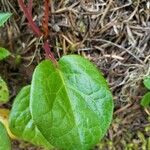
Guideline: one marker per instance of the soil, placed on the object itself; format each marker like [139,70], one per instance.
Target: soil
[113,34]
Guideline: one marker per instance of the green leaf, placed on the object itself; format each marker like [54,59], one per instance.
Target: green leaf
[21,123]
[71,104]
[147,82]
[5,143]
[4,17]
[3,53]
[4,93]
[145,102]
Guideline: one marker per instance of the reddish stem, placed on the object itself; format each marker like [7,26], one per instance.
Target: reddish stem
[30,5]
[48,52]
[27,13]
[46,18]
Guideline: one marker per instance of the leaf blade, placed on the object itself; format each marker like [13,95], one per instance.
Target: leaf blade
[147,82]
[65,99]
[5,143]
[145,102]
[21,123]
[4,17]
[3,53]
[4,92]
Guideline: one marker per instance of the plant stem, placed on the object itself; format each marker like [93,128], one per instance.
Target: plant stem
[30,5]
[48,52]
[46,18]
[27,13]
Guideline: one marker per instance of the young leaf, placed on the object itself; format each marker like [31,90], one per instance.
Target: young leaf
[5,143]
[3,53]
[21,123]
[4,93]
[145,102]
[4,17]
[71,104]
[147,82]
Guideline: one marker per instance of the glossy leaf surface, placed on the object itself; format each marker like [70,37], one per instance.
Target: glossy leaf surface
[5,143]
[71,104]
[21,123]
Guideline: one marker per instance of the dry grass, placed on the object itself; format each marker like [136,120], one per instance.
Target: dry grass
[114,34]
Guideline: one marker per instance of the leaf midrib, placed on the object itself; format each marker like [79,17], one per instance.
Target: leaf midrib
[74,117]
